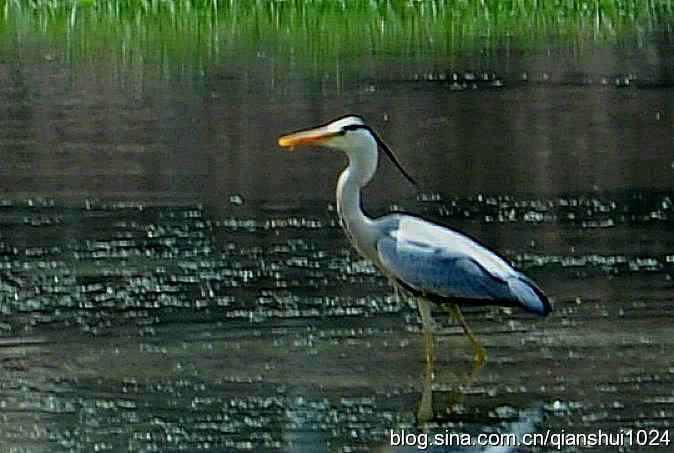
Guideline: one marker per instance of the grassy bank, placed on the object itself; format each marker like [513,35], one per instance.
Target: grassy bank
[318,32]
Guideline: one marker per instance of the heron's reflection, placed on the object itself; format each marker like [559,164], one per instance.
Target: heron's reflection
[429,430]
[425,408]
[430,421]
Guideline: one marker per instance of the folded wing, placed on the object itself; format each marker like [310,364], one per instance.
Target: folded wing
[444,264]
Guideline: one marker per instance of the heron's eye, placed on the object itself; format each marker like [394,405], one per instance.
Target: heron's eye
[341,132]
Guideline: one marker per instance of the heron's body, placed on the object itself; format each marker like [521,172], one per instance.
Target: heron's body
[446,266]
[429,260]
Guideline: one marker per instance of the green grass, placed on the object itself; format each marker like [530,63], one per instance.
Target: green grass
[318,32]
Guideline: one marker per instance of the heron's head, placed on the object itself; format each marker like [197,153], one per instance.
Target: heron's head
[348,133]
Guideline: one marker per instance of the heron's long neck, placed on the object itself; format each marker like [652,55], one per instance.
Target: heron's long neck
[359,227]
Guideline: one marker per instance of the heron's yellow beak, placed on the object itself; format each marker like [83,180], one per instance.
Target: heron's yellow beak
[317,136]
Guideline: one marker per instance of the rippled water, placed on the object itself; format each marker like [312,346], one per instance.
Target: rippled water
[171,281]
[135,326]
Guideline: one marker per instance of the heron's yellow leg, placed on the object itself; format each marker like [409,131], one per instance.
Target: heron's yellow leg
[425,408]
[427,321]
[480,353]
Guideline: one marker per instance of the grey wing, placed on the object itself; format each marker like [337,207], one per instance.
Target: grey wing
[438,272]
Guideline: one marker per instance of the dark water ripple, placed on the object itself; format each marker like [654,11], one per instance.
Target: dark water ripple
[586,211]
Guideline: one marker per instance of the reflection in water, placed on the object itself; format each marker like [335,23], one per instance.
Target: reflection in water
[169,281]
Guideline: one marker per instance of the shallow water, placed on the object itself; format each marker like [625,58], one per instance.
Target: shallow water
[171,281]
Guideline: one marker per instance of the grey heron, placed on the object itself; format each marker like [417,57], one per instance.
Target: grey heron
[432,262]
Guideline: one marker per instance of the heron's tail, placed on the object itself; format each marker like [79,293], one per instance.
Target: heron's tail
[529,295]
